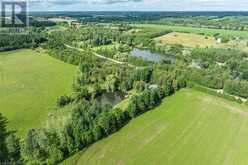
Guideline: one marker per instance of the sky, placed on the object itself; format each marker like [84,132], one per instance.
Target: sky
[138,5]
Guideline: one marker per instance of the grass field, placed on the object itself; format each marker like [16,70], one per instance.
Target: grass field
[56,28]
[187,39]
[188,128]
[206,31]
[30,83]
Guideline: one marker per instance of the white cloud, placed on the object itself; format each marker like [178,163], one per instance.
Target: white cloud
[142,5]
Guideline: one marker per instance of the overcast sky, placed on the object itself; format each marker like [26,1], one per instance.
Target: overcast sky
[139,5]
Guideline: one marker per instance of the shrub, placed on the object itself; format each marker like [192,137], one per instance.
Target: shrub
[63,101]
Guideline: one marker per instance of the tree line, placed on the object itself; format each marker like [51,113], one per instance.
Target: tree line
[90,122]
[18,41]
[10,152]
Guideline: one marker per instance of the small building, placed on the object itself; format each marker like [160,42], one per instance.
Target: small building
[153,86]
[75,24]
[219,40]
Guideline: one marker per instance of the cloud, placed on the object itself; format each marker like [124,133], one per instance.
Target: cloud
[73,2]
[118,1]
[64,2]
[141,5]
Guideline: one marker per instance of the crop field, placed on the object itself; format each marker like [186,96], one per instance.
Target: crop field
[205,31]
[188,39]
[30,83]
[188,128]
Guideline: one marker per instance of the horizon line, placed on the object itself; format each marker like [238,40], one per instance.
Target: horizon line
[140,11]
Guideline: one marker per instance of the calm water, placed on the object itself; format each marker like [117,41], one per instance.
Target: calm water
[112,98]
[147,54]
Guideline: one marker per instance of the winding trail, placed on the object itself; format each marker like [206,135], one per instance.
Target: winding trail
[103,57]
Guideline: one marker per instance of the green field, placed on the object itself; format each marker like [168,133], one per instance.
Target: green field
[30,83]
[188,128]
[206,31]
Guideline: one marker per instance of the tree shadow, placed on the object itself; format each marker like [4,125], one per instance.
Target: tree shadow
[3,135]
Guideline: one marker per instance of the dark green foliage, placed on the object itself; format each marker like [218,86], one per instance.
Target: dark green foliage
[42,147]
[144,74]
[237,88]
[17,41]
[3,136]
[139,85]
[40,23]
[63,100]
[144,37]
[148,100]
[212,92]
[9,145]
[215,55]
[89,123]
[221,68]
[88,36]
[13,149]
[72,56]
[245,75]
[210,80]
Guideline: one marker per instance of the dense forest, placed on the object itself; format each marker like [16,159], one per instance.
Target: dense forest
[9,144]
[17,41]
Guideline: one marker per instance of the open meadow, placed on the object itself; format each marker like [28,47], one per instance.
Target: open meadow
[30,83]
[188,128]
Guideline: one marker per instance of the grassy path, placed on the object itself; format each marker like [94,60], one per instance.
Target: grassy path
[109,59]
[101,56]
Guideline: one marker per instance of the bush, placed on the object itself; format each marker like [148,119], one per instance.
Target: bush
[214,93]
[63,101]
[139,86]
[207,80]
[237,88]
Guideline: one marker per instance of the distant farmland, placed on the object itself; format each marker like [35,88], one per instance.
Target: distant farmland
[188,128]
[30,84]
[205,31]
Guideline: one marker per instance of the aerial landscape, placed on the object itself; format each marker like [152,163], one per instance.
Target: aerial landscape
[124,82]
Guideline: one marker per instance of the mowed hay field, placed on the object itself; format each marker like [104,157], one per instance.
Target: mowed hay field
[30,83]
[187,39]
[188,128]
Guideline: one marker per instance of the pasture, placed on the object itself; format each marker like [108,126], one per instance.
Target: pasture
[188,128]
[30,83]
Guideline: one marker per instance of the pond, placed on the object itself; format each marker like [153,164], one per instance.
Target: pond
[112,98]
[147,54]
[150,56]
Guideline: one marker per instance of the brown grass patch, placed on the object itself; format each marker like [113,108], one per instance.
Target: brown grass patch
[188,39]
